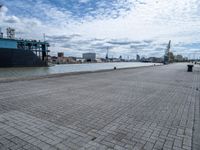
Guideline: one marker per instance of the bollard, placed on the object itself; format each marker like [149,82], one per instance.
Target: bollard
[190,67]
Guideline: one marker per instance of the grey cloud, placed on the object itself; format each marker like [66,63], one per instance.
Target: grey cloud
[148,41]
[61,38]
[104,47]
[159,49]
[57,40]
[121,42]
[75,35]
[136,42]
[69,45]
[128,42]
[140,45]
[97,40]
[97,45]
[12,19]
[77,44]
[116,46]
[136,47]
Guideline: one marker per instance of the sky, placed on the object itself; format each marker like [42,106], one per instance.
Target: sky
[124,27]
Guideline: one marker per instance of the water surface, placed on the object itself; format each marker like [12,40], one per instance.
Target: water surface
[65,68]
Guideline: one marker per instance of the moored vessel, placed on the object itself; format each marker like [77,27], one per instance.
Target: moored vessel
[22,53]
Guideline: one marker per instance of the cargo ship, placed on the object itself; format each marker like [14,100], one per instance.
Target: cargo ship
[21,52]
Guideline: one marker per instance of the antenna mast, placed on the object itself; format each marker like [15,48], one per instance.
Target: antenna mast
[107,53]
[166,57]
[44,36]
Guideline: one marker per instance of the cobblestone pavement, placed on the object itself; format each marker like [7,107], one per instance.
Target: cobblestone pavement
[144,108]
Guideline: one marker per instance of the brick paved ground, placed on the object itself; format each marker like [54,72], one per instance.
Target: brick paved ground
[145,108]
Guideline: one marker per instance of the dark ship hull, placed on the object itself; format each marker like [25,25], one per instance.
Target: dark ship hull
[19,58]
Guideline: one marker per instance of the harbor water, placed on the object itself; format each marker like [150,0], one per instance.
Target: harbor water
[65,68]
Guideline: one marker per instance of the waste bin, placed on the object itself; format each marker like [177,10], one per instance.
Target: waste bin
[190,67]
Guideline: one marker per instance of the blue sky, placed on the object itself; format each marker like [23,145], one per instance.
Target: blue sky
[127,27]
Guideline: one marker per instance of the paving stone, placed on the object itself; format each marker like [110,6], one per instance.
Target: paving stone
[150,108]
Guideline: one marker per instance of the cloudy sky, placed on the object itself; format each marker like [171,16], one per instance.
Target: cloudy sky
[126,27]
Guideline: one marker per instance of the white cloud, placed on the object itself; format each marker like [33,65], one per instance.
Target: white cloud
[3,11]
[84,1]
[159,21]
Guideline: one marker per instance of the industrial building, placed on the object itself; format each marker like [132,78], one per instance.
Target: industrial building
[137,57]
[89,57]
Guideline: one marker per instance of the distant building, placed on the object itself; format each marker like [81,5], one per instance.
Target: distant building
[61,59]
[137,57]
[70,60]
[155,59]
[116,59]
[1,34]
[89,57]
[79,60]
[185,59]
[143,59]
[60,54]
[53,59]
[99,60]
[179,58]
